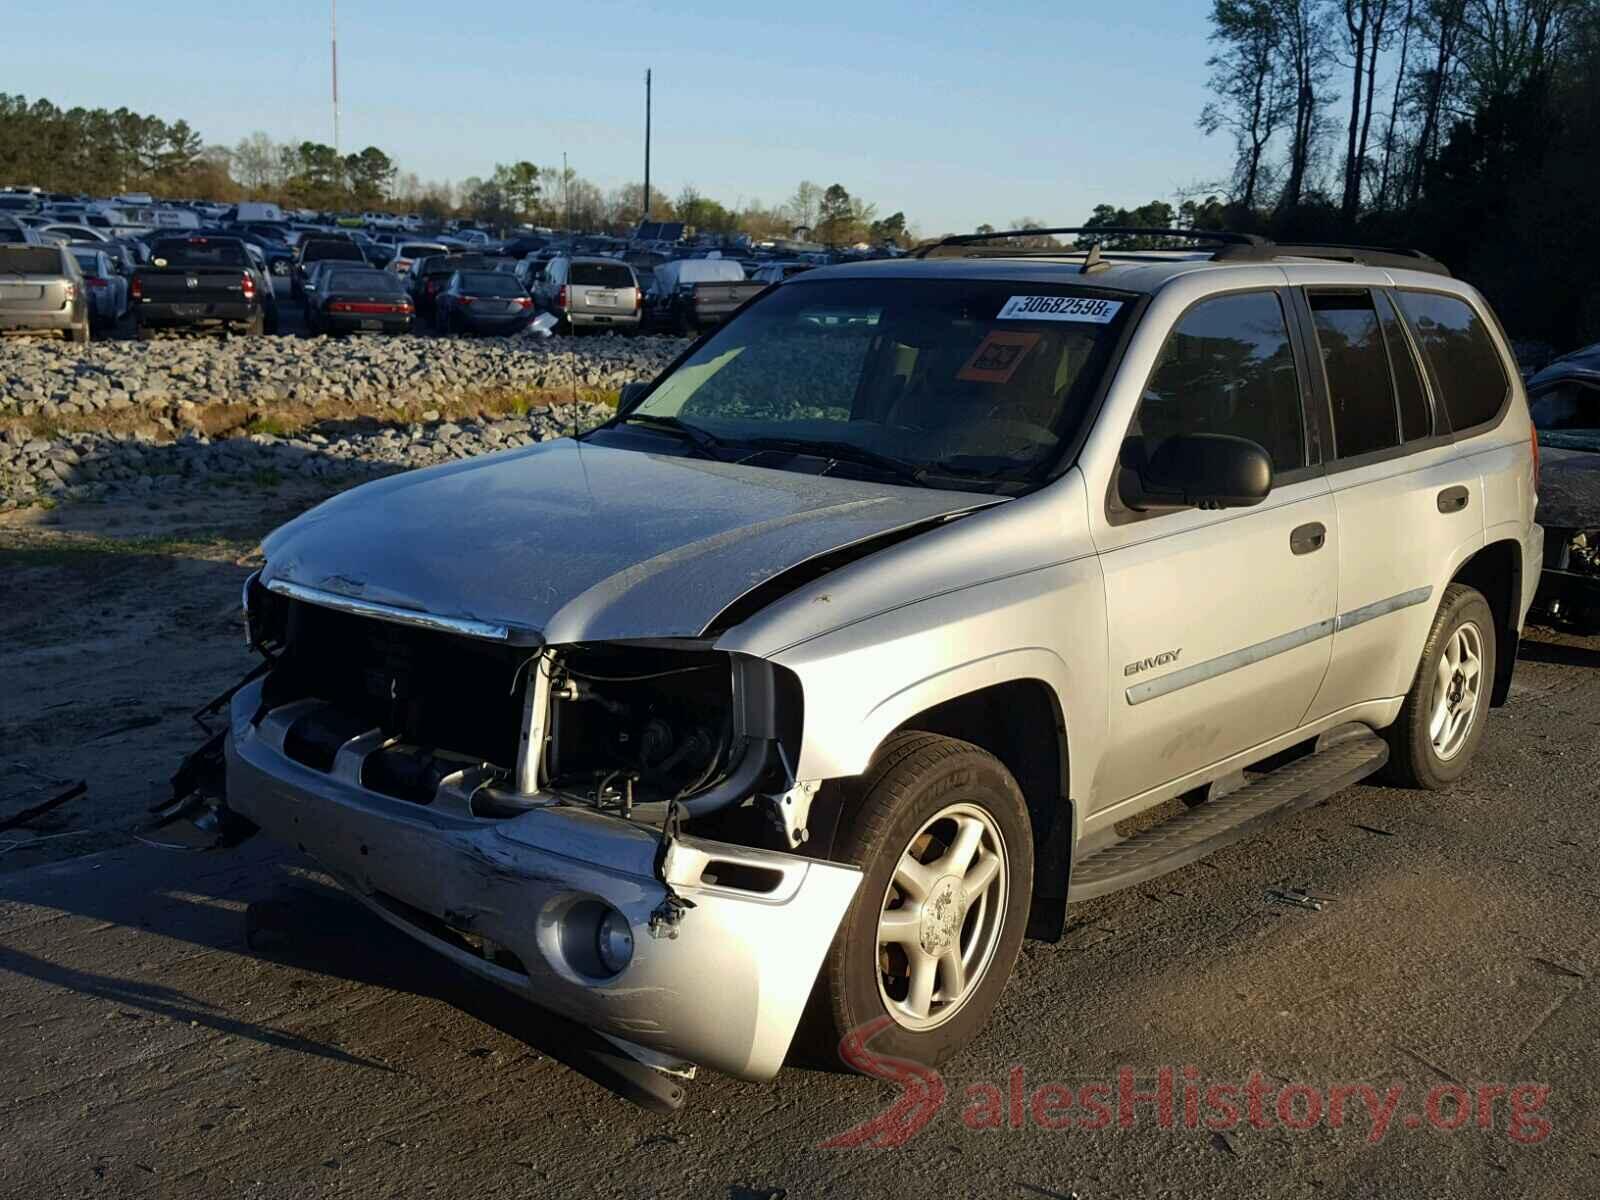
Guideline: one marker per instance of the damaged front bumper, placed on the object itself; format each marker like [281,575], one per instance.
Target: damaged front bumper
[520,901]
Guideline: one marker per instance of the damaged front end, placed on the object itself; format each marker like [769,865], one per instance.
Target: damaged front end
[1569,585]
[603,828]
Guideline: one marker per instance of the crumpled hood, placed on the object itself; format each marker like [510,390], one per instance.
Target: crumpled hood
[577,542]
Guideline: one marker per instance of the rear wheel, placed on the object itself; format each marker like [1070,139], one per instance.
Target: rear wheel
[257,324]
[1432,742]
[79,334]
[144,333]
[943,839]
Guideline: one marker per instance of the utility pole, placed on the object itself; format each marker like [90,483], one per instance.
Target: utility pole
[646,146]
[333,35]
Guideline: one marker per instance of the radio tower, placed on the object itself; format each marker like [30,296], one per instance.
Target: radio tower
[333,34]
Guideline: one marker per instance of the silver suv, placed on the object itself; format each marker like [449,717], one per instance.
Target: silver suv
[827,671]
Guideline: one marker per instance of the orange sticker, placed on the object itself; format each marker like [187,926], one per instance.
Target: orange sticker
[997,357]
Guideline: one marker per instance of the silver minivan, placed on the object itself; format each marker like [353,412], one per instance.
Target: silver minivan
[843,657]
[42,289]
[590,293]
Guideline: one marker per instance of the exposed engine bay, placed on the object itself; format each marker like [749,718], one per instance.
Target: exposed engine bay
[632,729]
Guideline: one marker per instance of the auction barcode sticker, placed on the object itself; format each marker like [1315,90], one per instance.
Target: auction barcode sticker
[1059,308]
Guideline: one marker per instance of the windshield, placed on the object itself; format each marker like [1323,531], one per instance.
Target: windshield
[976,379]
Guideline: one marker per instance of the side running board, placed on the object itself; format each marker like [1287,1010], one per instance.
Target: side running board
[1241,814]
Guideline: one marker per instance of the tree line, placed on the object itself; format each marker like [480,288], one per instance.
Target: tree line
[1469,129]
[98,152]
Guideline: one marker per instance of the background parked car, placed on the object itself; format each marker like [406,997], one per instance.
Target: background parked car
[407,252]
[41,288]
[482,301]
[590,293]
[430,275]
[349,300]
[15,232]
[73,233]
[689,294]
[106,289]
[202,280]
[314,250]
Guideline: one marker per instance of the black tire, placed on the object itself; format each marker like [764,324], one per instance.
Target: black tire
[256,326]
[144,333]
[1414,759]
[79,334]
[914,778]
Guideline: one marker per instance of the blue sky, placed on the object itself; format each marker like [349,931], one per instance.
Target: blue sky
[951,114]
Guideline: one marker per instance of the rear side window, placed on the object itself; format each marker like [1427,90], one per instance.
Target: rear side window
[1227,368]
[1416,416]
[1356,363]
[1468,375]
[601,275]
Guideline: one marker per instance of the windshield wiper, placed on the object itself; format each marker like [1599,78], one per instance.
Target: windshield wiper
[700,438]
[846,452]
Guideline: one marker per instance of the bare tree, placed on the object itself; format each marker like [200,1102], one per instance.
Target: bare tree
[1252,97]
[1304,50]
[1406,26]
[1364,39]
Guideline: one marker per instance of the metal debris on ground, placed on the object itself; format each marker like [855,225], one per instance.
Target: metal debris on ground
[38,810]
[1299,898]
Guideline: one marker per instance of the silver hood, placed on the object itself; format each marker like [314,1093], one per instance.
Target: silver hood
[569,542]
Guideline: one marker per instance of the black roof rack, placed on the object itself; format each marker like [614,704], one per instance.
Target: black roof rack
[971,245]
[1225,246]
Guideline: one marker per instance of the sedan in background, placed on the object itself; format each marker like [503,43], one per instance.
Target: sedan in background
[358,300]
[430,275]
[105,287]
[491,302]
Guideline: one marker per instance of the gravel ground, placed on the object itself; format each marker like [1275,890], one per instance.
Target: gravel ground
[56,380]
[130,419]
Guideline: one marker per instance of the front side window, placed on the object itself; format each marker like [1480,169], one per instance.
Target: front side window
[968,380]
[1468,374]
[1227,367]
[1356,364]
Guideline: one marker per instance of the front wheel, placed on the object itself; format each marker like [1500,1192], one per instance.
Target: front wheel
[943,839]
[1440,725]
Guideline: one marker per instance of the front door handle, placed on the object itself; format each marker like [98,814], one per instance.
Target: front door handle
[1308,538]
[1453,499]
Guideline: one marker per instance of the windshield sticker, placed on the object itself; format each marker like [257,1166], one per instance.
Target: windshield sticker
[1059,308]
[997,357]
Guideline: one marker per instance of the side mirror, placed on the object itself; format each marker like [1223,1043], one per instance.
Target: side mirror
[631,392]
[1200,470]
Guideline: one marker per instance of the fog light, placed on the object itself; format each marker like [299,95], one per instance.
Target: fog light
[613,942]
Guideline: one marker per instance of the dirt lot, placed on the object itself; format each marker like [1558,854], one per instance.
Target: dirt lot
[148,1051]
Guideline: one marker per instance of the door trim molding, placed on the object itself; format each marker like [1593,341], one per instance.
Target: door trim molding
[1177,680]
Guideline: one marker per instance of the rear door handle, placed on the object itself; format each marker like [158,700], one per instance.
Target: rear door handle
[1453,499]
[1308,538]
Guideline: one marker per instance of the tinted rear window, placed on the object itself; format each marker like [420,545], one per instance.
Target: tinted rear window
[198,253]
[369,281]
[411,250]
[601,275]
[30,260]
[1468,375]
[333,251]
[485,283]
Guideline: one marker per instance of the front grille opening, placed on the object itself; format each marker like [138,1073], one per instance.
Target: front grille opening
[462,939]
[741,876]
[422,687]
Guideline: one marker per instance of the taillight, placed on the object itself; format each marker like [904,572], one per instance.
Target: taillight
[136,288]
[1533,444]
[524,302]
[432,286]
[94,281]
[248,287]
[72,292]
[561,296]
[638,300]
[465,299]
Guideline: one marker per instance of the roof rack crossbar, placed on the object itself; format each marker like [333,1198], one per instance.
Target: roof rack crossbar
[971,243]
